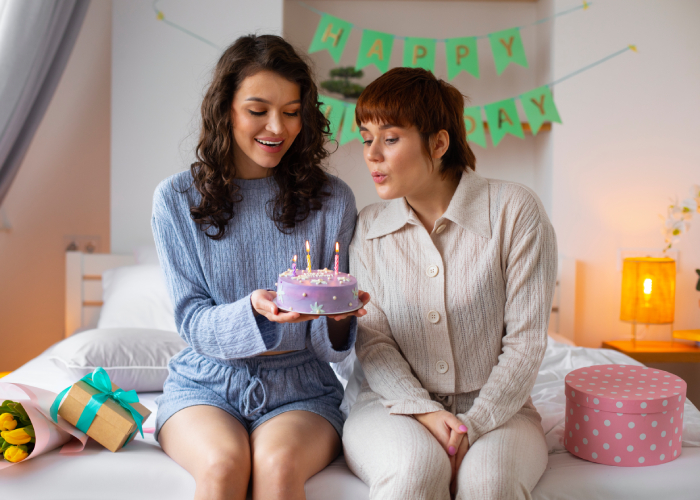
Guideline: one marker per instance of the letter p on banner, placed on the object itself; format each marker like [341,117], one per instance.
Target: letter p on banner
[461,56]
[419,53]
[331,35]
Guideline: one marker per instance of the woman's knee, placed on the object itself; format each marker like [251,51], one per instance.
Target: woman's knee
[224,465]
[277,465]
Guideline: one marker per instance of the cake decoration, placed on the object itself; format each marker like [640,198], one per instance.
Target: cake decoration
[317,308]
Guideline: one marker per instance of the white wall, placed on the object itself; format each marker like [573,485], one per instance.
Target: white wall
[628,144]
[158,78]
[526,161]
[61,190]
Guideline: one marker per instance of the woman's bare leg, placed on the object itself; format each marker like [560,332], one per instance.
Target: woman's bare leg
[212,446]
[287,450]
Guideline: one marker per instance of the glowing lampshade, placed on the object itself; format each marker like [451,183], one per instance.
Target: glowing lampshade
[648,290]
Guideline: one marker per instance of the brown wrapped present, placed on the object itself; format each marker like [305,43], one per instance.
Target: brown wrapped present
[113,426]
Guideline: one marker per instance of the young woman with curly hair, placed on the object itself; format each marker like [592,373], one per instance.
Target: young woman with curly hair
[461,270]
[252,399]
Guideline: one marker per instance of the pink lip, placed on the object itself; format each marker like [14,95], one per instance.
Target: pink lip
[378,178]
[270,149]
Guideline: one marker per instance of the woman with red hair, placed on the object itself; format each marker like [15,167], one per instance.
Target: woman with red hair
[461,270]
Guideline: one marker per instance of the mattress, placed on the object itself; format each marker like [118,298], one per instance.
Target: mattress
[142,471]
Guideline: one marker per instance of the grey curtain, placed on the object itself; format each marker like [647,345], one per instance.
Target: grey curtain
[36,38]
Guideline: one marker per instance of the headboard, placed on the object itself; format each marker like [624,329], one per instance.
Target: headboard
[84,291]
[84,286]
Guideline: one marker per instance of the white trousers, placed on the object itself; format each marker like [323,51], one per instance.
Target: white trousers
[398,458]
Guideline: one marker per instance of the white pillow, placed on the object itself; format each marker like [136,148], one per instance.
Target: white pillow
[134,358]
[136,297]
[146,254]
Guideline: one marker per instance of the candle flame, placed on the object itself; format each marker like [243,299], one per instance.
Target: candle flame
[337,247]
[307,246]
[295,258]
[647,286]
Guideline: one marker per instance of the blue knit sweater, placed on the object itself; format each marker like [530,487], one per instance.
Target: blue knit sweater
[210,282]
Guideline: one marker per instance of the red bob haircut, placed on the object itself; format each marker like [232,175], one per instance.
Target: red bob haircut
[407,97]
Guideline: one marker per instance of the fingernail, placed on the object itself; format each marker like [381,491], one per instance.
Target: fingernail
[451,450]
[463,428]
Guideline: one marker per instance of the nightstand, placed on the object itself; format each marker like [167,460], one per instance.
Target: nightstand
[656,351]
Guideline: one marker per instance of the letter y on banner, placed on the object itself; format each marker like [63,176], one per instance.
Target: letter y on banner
[332,35]
[539,107]
[507,47]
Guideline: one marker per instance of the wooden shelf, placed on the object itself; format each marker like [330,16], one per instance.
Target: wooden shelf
[656,351]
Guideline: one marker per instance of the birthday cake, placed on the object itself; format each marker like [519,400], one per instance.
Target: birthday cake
[317,292]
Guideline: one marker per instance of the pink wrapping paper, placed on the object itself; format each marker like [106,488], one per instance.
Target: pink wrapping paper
[622,415]
[49,435]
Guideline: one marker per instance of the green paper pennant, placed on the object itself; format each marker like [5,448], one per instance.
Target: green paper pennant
[475,126]
[351,130]
[375,48]
[333,110]
[507,47]
[503,119]
[332,34]
[461,56]
[419,53]
[539,107]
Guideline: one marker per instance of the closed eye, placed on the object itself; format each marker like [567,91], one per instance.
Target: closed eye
[296,113]
[256,113]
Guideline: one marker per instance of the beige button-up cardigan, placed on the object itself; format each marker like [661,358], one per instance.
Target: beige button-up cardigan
[460,309]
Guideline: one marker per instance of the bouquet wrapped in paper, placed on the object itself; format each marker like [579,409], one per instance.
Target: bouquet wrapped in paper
[26,428]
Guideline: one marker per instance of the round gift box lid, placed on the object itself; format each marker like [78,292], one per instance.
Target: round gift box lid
[624,388]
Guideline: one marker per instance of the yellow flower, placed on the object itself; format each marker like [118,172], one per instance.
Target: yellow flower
[17,436]
[7,422]
[15,454]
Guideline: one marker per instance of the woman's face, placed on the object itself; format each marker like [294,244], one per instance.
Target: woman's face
[266,120]
[396,160]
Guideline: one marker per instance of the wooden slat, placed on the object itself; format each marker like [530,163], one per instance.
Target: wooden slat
[92,277]
[656,351]
[93,303]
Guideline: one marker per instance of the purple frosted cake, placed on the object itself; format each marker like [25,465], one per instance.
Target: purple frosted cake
[317,292]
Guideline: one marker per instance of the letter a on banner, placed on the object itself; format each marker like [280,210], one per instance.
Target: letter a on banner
[461,56]
[375,48]
[351,130]
[539,107]
[419,53]
[503,119]
[333,110]
[507,47]
[475,126]
[332,35]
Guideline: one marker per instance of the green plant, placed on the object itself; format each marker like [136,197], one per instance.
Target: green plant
[340,82]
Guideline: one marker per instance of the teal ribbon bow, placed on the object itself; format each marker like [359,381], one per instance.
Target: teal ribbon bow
[100,381]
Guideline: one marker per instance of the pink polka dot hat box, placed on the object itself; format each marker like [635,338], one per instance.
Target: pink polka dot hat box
[624,415]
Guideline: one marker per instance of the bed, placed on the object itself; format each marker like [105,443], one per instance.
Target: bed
[142,471]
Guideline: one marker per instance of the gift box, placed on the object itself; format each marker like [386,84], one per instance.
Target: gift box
[624,415]
[105,412]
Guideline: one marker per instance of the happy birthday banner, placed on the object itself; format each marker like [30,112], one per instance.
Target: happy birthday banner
[461,53]
[501,116]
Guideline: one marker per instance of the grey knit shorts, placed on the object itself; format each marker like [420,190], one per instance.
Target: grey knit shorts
[253,390]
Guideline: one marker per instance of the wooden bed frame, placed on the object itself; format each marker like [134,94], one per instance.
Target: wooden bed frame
[84,291]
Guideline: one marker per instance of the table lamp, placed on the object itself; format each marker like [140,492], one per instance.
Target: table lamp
[648,291]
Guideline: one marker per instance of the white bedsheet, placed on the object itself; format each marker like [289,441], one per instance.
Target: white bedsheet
[142,471]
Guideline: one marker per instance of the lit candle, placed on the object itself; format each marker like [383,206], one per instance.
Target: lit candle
[294,266]
[308,257]
[337,249]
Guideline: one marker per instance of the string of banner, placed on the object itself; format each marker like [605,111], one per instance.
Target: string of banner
[501,117]
[461,54]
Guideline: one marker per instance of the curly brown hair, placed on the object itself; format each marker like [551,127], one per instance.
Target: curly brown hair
[299,175]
